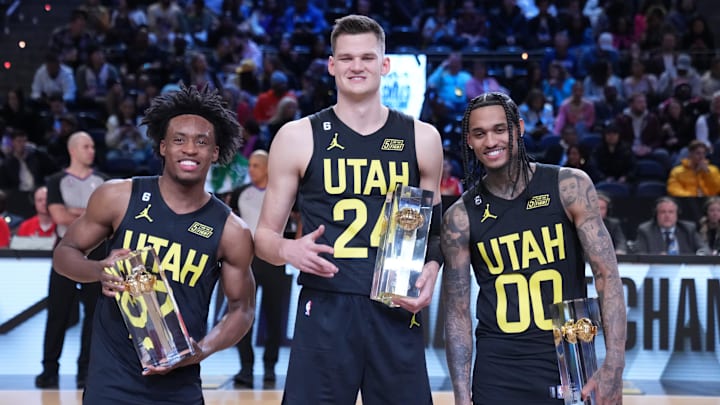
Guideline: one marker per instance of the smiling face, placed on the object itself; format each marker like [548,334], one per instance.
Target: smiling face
[488,137]
[358,63]
[188,148]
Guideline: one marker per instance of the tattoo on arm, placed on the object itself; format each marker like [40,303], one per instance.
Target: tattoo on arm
[581,204]
[456,294]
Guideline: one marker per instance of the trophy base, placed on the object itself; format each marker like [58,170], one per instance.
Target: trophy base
[167,361]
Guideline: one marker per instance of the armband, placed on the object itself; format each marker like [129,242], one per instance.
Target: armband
[434,253]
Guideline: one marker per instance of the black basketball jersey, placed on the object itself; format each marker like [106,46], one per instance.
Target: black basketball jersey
[187,248]
[526,255]
[344,188]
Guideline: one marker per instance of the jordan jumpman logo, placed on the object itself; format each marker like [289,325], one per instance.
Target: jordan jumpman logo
[145,213]
[334,143]
[487,214]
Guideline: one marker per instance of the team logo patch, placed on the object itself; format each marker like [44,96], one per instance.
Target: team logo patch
[334,143]
[537,201]
[393,144]
[308,307]
[145,213]
[201,230]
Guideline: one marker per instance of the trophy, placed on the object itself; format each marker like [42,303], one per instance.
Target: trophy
[576,324]
[401,254]
[149,310]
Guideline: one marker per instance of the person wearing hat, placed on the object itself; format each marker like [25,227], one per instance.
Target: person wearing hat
[267,102]
[683,73]
[603,49]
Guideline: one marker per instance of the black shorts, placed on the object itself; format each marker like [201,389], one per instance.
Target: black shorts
[344,343]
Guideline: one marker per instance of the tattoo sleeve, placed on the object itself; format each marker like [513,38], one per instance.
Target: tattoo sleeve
[456,293]
[581,205]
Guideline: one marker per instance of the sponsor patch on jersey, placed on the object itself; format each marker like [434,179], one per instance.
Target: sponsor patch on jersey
[393,144]
[537,201]
[201,230]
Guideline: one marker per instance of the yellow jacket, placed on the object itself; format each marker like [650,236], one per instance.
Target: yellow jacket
[684,181]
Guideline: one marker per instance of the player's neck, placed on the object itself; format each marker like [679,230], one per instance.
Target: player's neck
[362,117]
[498,183]
[182,198]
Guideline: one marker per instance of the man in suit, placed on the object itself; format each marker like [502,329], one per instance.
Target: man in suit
[665,234]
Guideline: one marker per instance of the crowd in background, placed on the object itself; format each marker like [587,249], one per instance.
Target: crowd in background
[628,91]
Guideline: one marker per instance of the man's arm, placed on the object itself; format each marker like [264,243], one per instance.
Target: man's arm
[597,245]
[289,155]
[430,161]
[236,253]
[104,212]
[456,294]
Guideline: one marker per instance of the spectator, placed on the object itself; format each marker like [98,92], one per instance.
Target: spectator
[57,144]
[538,116]
[710,80]
[639,81]
[304,21]
[558,84]
[613,159]
[508,26]
[94,79]
[612,224]
[640,128]
[683,73]
[199,74]
[609,107]
[41,224]
[71,42]
[68,193]
[543,27]
[17,114]
[196,23]
[449,183]
[471,26]
[126,18]
[560,53]
[707,126]
[26,167]
[710,224]
[600,76]
[268,101]
[575,158]
[663,56]
[266,21]
[576,111]
[556,154]
[678,128]
[287,110]
[439,27]
[4,234]
[125,137]
[53,77]
[694,176]
[664,234]
[603,49]
[480,82]
[164,16]
[699,41]
[449,81]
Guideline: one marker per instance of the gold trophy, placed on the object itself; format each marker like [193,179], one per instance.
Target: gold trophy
[401,254]
[150,311]
[576,325]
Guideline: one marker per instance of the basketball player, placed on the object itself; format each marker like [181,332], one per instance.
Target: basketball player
[197,238]
[342,161]
[524,228]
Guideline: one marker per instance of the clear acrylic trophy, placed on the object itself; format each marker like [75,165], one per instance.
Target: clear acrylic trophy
[576,325]
[150,311]
[401,254]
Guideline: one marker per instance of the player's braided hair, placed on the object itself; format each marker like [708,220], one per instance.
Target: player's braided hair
[521,164]
[206,103]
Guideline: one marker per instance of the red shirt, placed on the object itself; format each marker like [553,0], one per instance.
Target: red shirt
[4,233]
[31,227]
[266,105]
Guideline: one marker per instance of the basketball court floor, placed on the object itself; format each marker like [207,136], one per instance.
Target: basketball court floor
[22,347]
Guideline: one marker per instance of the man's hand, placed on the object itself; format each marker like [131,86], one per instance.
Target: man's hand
[304,254]
[607,384]
[112,283]
[426,284]
[194,359]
